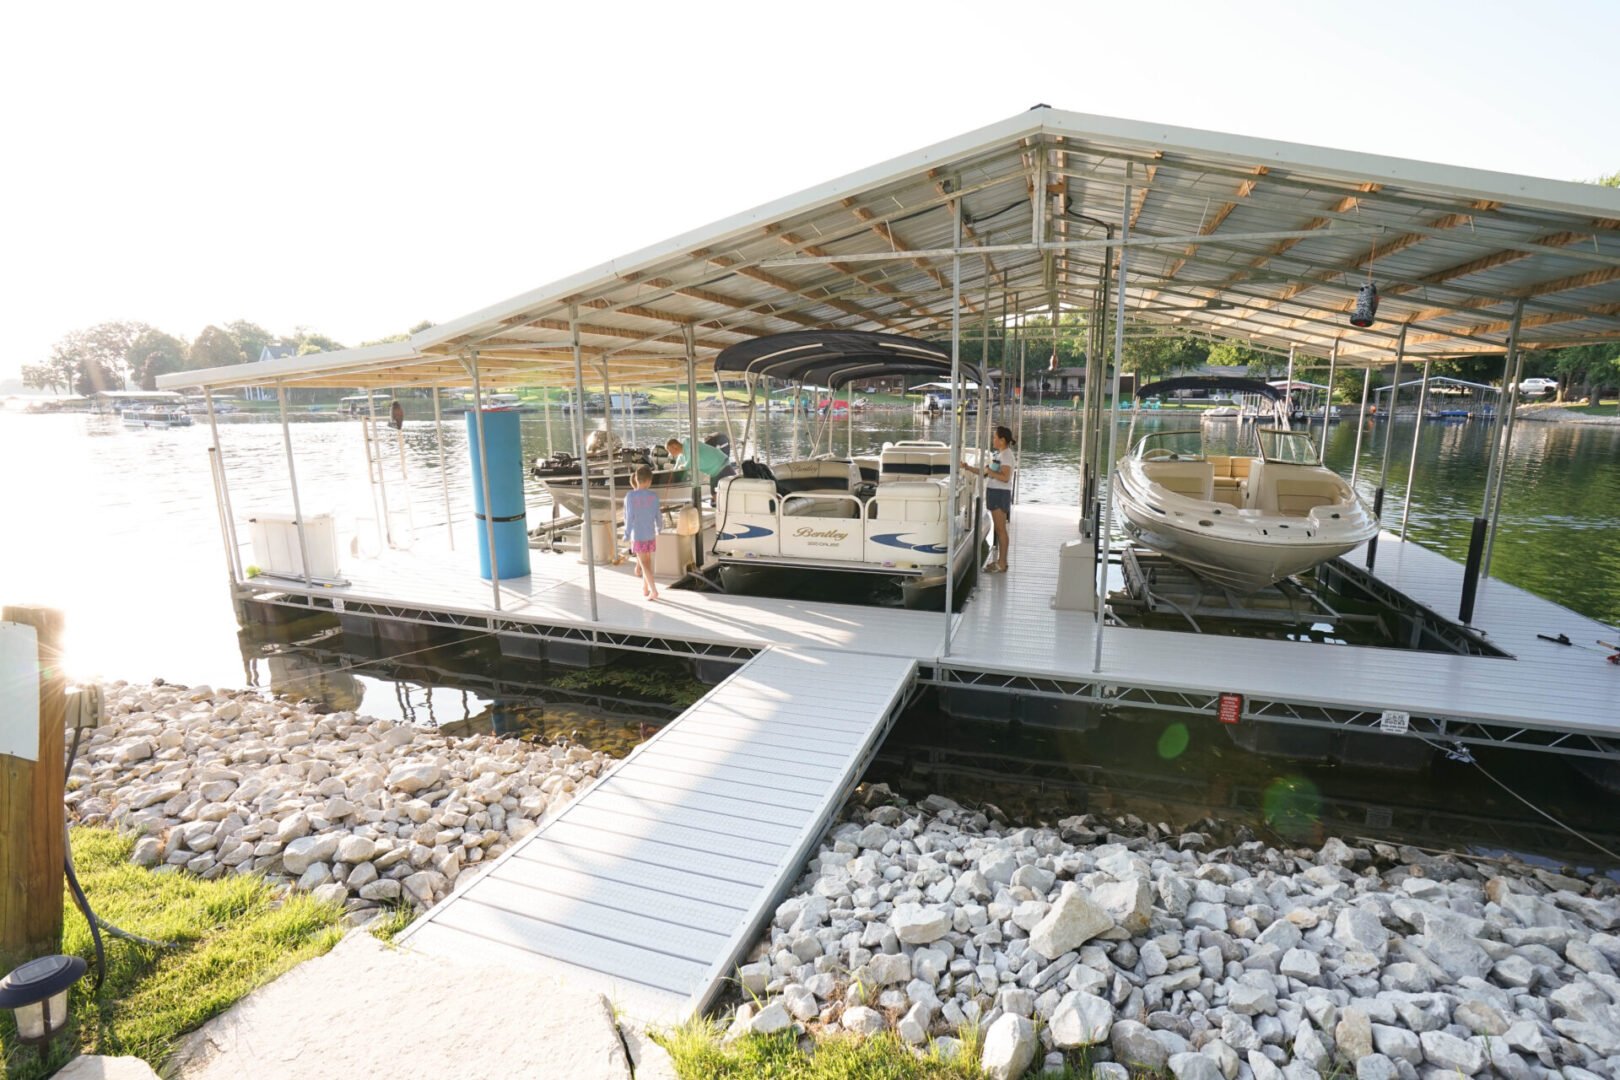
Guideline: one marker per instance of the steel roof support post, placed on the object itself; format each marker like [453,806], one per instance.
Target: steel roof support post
[368,428]
[1020,416]
[1361,423]
[584,463]
[691,420]
[292,475]
[234,554]
[483,476]
[1499,418]
[767,424]
[613,468]
[545,408]
[956,425]
[1510,403]
[1417,437]
[444,474]
[1288,394]
[1105,520]
[1389,437]
[1327,400]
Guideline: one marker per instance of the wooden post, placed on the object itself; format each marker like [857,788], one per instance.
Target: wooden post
[31,835]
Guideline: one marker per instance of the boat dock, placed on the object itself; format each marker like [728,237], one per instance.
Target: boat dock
[655,883]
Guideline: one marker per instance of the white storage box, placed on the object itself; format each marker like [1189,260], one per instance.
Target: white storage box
[276,550]
[1077,577]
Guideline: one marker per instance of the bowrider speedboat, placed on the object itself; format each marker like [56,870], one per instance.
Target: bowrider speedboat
[1243,522]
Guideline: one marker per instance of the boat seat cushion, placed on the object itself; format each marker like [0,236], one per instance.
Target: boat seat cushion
[908,501]
[1222,465]
[1238,467]
[1194,479]
[830,505]
[1297,498]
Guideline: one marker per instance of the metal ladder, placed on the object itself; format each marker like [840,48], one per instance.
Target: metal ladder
[397,527]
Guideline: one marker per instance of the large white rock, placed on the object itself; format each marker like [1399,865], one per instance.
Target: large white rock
[1134,1046]
[862,1020]
[915,924]
[1357,928]
[1129,902]
[1448,1052]
[304,852]
[1074,920]
[356,849]
[1189,1066]
[1081,1020]
[771,1019]
[1009,1047]
[414,776]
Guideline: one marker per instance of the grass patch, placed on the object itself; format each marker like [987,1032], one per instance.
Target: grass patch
[232,936]
[386,928]
[698,1054]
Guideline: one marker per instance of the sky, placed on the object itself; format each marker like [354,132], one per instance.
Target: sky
[358,167]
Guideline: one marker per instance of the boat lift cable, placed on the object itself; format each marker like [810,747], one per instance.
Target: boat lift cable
[1459,752]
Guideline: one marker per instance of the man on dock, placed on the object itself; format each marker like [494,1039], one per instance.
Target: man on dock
[712,462]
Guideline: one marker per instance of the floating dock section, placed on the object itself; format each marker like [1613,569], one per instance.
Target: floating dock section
[652,885]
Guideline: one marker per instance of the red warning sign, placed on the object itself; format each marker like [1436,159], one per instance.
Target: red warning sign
[1231,708]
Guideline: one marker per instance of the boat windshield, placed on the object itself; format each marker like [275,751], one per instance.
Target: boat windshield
[1287,447]
[1171,446]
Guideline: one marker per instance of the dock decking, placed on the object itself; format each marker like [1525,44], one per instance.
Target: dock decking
[652,884]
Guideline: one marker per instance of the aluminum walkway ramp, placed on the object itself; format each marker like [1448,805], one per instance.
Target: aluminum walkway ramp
[651,885]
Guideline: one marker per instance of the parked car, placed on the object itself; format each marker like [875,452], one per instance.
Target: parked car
[1537,387]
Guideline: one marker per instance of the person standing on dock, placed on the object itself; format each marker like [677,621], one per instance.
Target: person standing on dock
[641,511]
[712,462]
[998,494]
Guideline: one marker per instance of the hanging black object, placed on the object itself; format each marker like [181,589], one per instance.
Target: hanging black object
[396,415]
[1366,306]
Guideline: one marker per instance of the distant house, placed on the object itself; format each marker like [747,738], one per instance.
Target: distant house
[268,352]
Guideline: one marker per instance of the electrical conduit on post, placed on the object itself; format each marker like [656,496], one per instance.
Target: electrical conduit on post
[1389,438]
[1105,521]
[1510,396]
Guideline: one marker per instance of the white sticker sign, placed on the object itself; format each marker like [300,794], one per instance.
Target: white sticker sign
[1394,722]
[19,691]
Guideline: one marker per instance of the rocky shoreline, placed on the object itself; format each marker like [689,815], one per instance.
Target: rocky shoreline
[1105,940]
[1122,943]
[358,811]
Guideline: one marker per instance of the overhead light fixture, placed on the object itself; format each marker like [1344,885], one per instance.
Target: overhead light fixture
[1217,305]
[1366,305]
[37,992]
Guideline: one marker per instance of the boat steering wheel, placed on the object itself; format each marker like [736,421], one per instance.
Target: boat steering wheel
[1159,453]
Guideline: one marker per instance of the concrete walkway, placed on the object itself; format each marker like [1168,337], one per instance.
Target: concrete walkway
[365,1009]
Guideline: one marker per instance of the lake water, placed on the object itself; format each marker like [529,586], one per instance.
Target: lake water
[118,528]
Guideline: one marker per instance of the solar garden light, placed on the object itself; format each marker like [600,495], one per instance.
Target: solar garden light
[37,992]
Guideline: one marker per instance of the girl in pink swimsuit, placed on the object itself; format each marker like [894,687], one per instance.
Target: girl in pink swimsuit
[641,528]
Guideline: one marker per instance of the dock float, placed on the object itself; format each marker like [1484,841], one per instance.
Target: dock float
[652,884]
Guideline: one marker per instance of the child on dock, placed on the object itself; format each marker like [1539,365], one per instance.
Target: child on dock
[641,528]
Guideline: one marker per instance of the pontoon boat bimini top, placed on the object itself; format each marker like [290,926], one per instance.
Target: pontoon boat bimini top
[836,357]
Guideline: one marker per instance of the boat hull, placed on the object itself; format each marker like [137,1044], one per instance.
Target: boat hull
[1244,551]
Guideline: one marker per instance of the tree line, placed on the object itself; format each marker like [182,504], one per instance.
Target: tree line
[1583,372]
[109,355]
